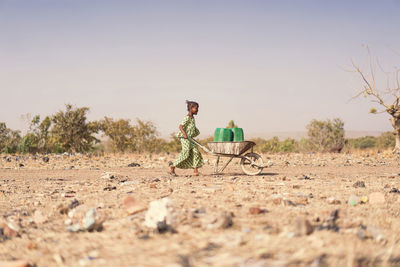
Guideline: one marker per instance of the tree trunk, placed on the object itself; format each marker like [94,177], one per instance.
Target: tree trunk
[396,125]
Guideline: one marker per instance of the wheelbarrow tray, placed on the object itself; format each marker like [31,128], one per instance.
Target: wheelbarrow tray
[230,148]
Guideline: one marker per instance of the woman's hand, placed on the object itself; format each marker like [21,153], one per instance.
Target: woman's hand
[183,132]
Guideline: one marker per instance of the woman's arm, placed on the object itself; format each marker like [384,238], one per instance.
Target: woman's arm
[183,131]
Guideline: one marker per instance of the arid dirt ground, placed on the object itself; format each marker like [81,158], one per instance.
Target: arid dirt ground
[296,213]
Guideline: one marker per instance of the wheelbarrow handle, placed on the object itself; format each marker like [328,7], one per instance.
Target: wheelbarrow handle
[200,145]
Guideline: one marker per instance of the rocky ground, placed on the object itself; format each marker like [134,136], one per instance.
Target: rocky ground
[125,210]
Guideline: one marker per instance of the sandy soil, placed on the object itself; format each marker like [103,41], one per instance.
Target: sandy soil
[283,217]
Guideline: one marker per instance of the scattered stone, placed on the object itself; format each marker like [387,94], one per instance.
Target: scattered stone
[62,209]
[21,165]
[370,232]
[17,263]
[353,200]
[288,202]
[305,177]
[107,175]
[333,201]
[301,201]
[359,184]
[133,164]
[75,203]
[58,259]
[303,227]
[163,227]
[364,200]
[198,211]
[255,210]
[376,198]
[329,223]
[132,206]
[161,210]
[144,237]
[46,159]
[109,188]
[31,245]
[39,217]
[153,185]
[223,221]
[89,222]
[394,190]
[8,231]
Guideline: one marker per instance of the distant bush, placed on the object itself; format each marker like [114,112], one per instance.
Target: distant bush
[274,145]
[362,142]
[384,141]
[324,136]
[72,132]
[9,139]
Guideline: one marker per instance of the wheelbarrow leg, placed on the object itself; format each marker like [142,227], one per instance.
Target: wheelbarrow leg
[216,164]
[226,164]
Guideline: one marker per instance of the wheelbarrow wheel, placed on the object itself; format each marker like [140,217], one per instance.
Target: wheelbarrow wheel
[252,164]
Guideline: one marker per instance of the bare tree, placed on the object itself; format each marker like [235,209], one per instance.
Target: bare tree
[387,98]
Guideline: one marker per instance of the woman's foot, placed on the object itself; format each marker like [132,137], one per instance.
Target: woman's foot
[172,170]
[196,172]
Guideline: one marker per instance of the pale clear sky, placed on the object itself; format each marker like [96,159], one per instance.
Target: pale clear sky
[269,65]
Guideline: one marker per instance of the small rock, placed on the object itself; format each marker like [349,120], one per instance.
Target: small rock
[133,164]
[288,202]
[132,206]
[163,227]
[333,201]
[8,230]
[58,259]
[161,210]
[370,231]
[359,184]
[353,200]
[39,218]
[31,245]
[301,201]
[303,227]
[394,190]
[255,210]
[45,159]
[364,200]
[200,210]
[109,188]
[329,223]
[90,221]
[223,221]
[107,175]
[17,263]
[376,198]
[305,177]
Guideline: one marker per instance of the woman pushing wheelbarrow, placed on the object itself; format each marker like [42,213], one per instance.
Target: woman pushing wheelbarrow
[190,157]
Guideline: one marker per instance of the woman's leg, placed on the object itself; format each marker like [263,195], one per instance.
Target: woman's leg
[197,160]
[182,161]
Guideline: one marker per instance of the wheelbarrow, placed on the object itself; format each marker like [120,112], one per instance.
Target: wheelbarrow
[251,163]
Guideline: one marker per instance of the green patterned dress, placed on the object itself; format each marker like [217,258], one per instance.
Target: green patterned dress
[190,156]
